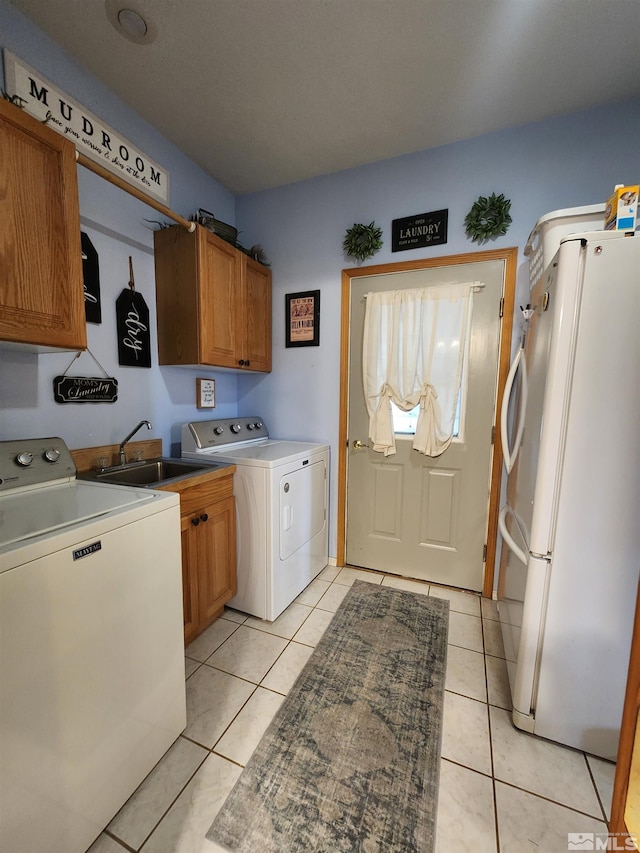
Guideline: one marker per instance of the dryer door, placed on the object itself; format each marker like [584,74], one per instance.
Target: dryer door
[302,506]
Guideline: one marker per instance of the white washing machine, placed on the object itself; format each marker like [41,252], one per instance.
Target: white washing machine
[281,492]
[92,690]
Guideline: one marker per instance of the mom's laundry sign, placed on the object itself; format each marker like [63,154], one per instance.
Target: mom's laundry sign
[91,136]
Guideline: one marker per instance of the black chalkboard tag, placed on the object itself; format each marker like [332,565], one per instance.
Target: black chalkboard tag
[134,337]
[85,389]
[91,280]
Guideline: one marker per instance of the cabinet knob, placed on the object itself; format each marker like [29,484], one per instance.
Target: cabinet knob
[204,517]
[241,362]
[195,521]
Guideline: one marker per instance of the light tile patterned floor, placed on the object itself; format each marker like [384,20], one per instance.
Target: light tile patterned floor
[501,791]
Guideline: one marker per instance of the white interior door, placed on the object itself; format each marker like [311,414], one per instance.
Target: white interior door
[410,514]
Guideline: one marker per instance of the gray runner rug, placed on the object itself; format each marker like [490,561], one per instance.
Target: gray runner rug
[351,760]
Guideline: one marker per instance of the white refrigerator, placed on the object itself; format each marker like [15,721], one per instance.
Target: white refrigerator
[571,525]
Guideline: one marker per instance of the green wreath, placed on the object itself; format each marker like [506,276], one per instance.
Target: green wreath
[362,241]
[488,217]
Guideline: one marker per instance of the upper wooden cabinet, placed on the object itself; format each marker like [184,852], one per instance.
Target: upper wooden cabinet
[41,290]
[213,302]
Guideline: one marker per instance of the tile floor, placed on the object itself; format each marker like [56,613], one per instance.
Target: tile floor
[501,791]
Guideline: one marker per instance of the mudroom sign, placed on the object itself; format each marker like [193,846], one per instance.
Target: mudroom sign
[92,137]
[419,231]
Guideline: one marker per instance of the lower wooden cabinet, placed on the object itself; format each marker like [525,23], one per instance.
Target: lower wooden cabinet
[208,531]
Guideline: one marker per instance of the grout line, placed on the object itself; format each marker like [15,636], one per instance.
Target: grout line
[549,800]
[118,840]
[226,758]
[178,795]
[493,769]
[219,644]
[593,782]
[272,666]
[231,722]
[466,767]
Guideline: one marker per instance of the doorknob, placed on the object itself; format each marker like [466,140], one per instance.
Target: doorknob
[357,444]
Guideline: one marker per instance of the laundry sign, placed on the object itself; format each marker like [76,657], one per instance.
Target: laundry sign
[91,136]
[417,232]
[85,389]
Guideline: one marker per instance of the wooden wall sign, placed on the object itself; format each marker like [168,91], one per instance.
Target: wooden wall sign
[91,279]
[98,141]
[85,389]
[134,338]
[420,231]
[132,321]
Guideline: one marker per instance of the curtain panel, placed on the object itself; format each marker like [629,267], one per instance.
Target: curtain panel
[413,351]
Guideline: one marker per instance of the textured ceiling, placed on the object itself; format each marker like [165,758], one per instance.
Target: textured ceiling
[261,93]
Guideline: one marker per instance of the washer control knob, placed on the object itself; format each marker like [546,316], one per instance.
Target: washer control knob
[218,430]
[259,424]
[235,428]
[251,426]
[24,459]
[52,454]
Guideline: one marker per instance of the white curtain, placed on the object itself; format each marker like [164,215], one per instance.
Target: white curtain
[413,350]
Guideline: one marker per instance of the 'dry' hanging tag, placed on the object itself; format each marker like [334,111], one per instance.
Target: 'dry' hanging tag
[134,337]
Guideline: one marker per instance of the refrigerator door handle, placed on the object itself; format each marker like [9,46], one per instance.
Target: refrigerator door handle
[510,454]
[507,537]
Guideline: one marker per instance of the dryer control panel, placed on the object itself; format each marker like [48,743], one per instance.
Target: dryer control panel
[205,435]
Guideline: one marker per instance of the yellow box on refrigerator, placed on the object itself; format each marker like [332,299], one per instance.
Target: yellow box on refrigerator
[621,213]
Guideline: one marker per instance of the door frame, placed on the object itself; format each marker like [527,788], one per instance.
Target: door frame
[510,257]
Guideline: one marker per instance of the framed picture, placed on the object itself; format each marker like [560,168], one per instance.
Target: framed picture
[302,319]
[206,393]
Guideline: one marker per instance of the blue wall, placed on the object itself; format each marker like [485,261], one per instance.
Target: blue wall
[115,224]
[563,162]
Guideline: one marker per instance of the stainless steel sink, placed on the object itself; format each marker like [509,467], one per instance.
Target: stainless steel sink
[149,472]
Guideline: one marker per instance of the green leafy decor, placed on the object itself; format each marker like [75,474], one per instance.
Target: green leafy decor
[362,241]
[488,217]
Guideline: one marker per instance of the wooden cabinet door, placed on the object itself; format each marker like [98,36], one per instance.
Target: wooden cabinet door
[41,290]
[257,316]
[219,299]
[216,558]
[213,301]
[176,268]
[191,614]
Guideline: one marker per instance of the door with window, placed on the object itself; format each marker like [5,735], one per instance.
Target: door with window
[408,513]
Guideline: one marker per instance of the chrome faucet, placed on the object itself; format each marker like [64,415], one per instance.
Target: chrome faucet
[123,457]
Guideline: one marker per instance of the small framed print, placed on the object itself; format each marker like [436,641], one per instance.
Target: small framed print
[302,319]
[206,393]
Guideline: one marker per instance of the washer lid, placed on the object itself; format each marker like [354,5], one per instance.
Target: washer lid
[266,454]
[37,511]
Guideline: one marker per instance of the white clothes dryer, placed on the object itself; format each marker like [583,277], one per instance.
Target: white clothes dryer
[281,492]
